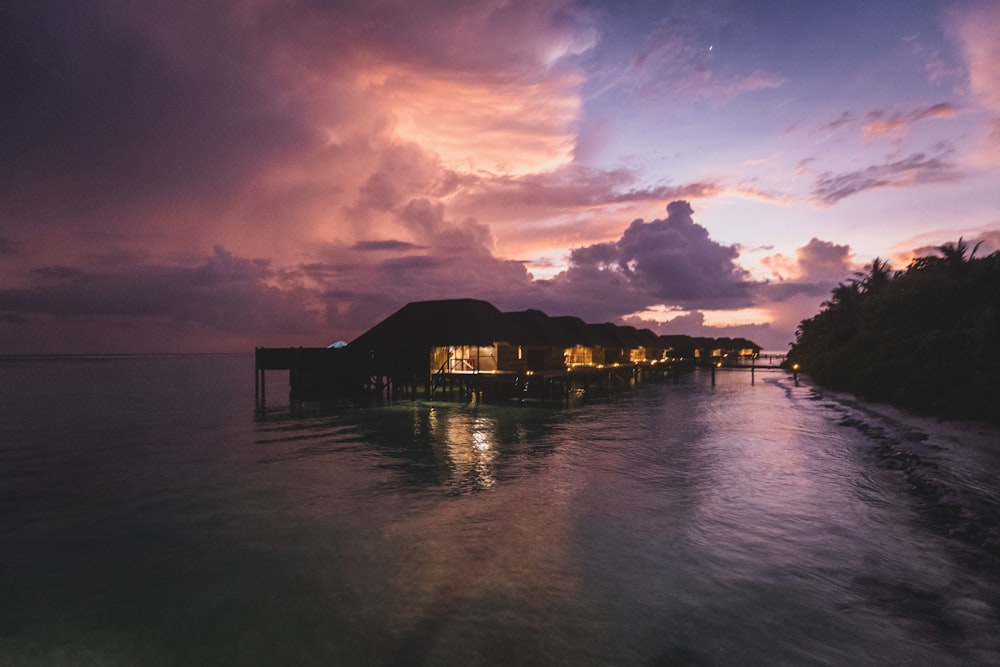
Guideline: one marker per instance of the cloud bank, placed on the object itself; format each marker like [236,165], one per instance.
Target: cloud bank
[285,171]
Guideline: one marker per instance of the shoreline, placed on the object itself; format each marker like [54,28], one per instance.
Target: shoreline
[981,435]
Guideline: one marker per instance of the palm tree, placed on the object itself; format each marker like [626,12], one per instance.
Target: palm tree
[878,276]
[954,255]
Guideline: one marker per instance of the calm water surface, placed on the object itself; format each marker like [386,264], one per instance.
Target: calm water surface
[148,516]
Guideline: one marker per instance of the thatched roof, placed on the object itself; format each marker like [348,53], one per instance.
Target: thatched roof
[574,331]
[679,345]
[535,327]
[438,323]
[609,335]
[634,338]
[475,322]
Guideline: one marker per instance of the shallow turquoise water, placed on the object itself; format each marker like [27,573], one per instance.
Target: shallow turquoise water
[149,516]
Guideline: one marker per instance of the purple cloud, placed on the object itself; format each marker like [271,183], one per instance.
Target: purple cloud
[844,119]
[387,245]
[672,260]
[225,293]
[879,122]
[815,269]
[575,186]
[916,169]
[104,106]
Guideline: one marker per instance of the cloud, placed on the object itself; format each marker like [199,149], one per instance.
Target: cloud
[381,152]
[937,67]
[927,243]
[240,302]
[976,28]
[573,187]
[225,293]
[845,118]
[824,260]
[669,260]
[388,245]
[267,125]
[916,169]
[487,39]
[453,260]
[814,270]
[671,66]
[750,189]
[98,109]
[879,122]
[756,80]
[802,167]
[505,127]
[693,324]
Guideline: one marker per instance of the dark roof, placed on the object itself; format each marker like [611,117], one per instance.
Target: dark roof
[446,322]
[648,338]
[535,327]
[679,344]
[475,322]
[634,338]
[573,331]
[609,335]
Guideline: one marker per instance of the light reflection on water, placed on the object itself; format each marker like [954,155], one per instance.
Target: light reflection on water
[675,524]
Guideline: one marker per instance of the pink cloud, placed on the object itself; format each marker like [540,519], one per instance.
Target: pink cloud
[976,29]
[693,324]
[814,270]
[879,122]
[750,189]
[823,260]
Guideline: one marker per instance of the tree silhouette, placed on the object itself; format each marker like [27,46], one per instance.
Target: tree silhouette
[924,338]
[877,278]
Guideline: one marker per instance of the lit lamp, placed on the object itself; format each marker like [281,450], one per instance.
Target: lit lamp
[795,373]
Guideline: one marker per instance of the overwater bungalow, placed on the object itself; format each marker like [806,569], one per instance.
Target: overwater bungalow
[468,345]
[543,344]
[452,337]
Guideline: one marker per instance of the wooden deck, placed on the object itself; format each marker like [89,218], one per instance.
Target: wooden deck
[339,372]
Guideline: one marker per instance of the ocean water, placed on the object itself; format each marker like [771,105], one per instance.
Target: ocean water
[150,515]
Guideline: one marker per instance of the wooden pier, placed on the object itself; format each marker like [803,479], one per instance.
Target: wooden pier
[468,350]
[323,372]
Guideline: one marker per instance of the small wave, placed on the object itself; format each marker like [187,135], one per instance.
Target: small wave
[952,503]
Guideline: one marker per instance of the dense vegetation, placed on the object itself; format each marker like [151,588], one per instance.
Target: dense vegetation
[926,339]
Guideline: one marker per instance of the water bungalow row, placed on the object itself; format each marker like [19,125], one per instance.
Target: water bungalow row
[468,349]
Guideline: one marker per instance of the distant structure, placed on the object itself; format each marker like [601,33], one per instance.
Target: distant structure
[470,349]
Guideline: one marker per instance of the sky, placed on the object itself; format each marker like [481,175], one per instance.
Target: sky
[210,177]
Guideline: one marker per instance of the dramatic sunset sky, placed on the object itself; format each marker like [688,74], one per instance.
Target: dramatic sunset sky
[209,176]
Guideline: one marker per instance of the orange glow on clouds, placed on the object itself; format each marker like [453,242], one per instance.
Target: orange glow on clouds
[977,35]
[737,317]
[711,318]
[507,127]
